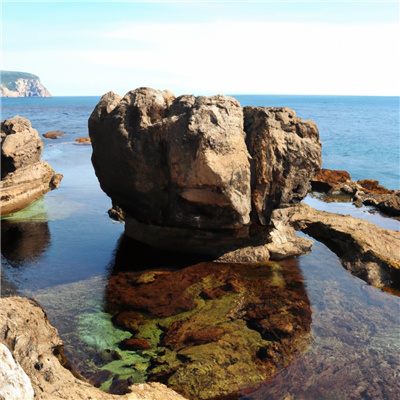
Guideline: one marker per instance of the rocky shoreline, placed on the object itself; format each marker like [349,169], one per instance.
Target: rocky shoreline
[199,175]
[24,176]
[35,345]
[338,186]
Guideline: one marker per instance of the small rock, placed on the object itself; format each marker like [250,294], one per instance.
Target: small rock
[83,140]
[53,135]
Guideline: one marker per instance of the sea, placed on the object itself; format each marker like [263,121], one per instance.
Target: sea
[61,249]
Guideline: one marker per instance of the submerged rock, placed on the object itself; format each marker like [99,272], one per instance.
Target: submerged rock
[214,329]
[36,346]
[24,177]
[188,171]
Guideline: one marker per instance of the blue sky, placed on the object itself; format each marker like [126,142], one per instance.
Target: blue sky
[78,48]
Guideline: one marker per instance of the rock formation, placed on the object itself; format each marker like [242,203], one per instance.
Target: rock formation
[15,384]
[200,174]
[365,250]
[36,346]
[21,84]
[24,177]
[338,185]
[326,179]
[53,135]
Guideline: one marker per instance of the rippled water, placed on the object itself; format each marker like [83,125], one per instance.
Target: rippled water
[62,247]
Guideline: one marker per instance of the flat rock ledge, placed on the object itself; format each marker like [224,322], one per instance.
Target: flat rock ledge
[36,347]
[24,177]
[365,250]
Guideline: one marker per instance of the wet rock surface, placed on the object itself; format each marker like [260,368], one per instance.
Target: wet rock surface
[214,329]
[337,186]
[326,179]
[24,177]
[365,250]
[182,167]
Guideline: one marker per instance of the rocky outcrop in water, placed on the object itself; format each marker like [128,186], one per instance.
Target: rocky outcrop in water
[200,173]
[364,249]
[53,135]
[338,186]
[36,346]
[24,177]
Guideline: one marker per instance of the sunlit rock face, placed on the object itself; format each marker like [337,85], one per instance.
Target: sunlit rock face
[212,329]
[24,176]
[286,153]
[200,165]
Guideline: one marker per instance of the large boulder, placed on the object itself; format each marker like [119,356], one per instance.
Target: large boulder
[24,177]
[188,171]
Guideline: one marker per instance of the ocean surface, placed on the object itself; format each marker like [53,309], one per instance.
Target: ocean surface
[61,249]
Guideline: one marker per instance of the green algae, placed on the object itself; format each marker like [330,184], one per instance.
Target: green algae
[46,208]
[97,330]
[149,331]
[222,367]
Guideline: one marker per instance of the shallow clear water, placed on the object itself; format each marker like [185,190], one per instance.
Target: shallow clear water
[60,250]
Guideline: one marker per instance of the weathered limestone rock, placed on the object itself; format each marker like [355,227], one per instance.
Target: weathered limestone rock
[389,204]
[326,179]
[365,250]
[372,186]
[173,162]
[36,346]
[338,186]
[24,177]
[286,153]
[15,384]
[181,171]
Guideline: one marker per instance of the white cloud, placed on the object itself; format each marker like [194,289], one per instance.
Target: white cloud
[240,57]
[271,57]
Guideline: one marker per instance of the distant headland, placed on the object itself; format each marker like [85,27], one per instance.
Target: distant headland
[21,84]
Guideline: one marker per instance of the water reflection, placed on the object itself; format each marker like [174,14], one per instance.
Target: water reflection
[23,241]
[131,255]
